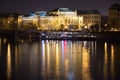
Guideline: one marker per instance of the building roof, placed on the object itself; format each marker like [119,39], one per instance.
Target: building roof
[61,10]
[94,11]
[115,7]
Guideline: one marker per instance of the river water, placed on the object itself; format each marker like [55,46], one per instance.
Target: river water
[59,60]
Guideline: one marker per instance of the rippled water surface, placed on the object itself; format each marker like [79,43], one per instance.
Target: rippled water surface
[59,60]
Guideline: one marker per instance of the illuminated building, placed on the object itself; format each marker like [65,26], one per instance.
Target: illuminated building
[61,19]
[114,16]
[27,19]
[90,17]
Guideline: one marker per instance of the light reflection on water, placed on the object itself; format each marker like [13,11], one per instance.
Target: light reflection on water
[9,69]
[108,61]
[0,48]
[60,60]
[105,60]
[112,62]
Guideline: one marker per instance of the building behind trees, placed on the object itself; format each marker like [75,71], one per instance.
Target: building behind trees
[62,19]
[56,19]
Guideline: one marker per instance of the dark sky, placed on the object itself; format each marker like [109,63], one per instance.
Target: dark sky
[27,6]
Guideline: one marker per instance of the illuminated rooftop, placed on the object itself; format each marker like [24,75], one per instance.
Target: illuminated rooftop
[61,10]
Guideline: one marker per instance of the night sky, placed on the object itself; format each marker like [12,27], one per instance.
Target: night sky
[27,6]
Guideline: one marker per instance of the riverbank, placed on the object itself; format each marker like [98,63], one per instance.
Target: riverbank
[60,35]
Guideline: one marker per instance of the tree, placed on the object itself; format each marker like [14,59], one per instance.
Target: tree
[61,27]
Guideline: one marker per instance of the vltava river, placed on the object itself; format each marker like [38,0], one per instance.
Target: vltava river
[59,60]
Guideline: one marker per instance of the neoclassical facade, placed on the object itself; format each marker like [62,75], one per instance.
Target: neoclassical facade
[90,18]
[59,18]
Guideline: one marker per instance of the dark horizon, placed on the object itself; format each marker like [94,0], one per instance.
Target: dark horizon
[34,5]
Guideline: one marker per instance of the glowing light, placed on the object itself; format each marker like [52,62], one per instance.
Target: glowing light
[8,21]
[86,27]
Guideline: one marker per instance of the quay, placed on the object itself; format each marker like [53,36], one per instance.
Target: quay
[47,35]
[67,35]
[14,35]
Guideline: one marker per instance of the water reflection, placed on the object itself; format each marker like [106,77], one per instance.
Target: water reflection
[60,60]
[86,62]
[9,69]
[112,62]
[105,61]
[108,61]
[0,47]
